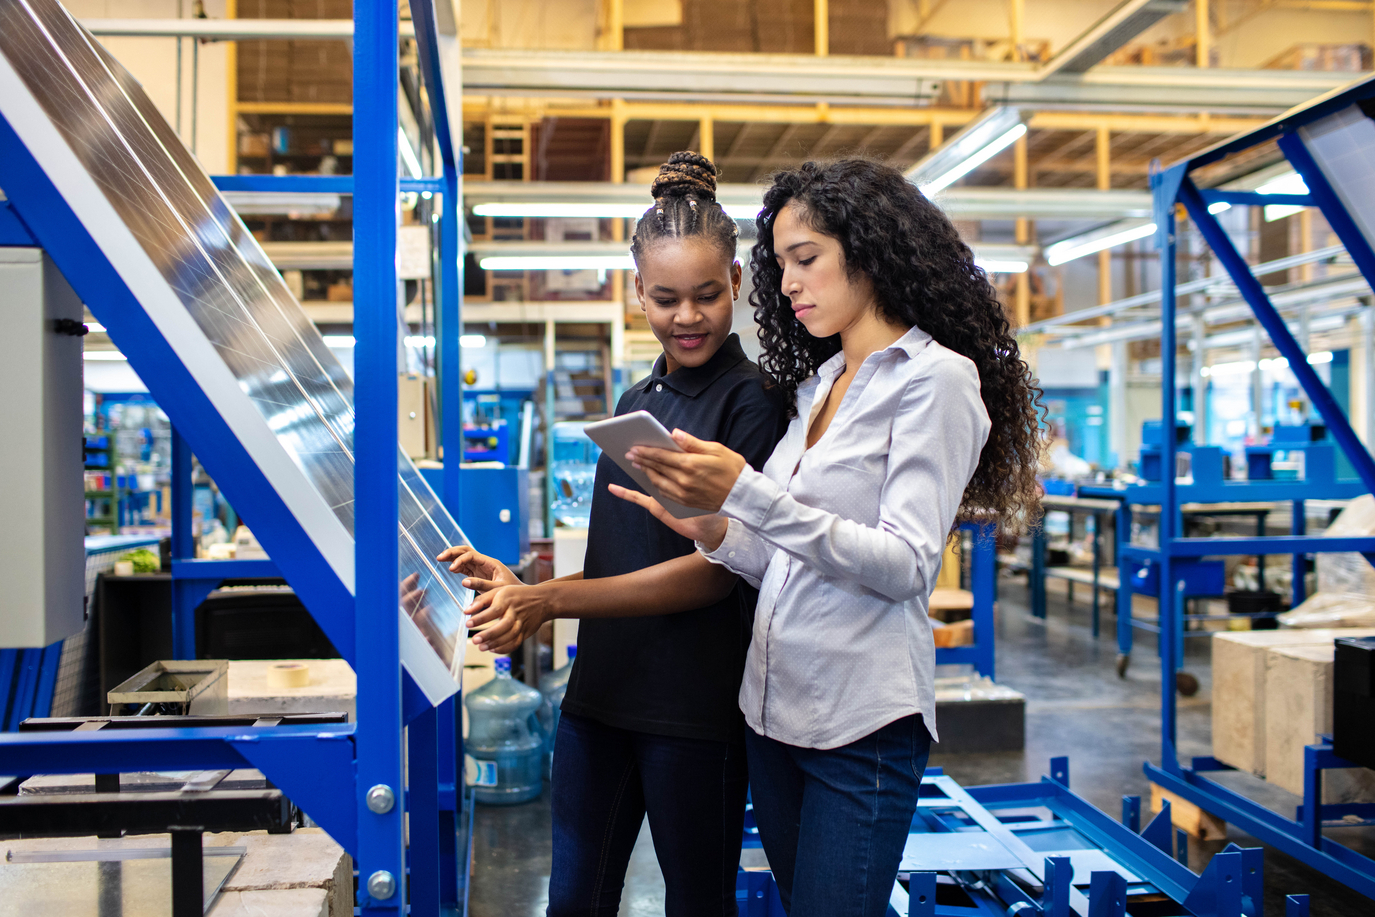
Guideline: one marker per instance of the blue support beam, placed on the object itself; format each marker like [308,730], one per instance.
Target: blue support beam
[1338,426]
[13,232]
[381,856]
[316,184]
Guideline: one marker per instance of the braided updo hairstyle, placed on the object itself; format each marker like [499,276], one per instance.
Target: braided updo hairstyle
[685,206]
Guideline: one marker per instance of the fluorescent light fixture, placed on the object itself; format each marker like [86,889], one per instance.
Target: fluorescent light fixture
[1288,183]
[408,154]
[1246,366]
[472,341]
[95,328]
[1000,266]
[557,263]
[419,340]
[1219,207]
[1230,369]
[973,162]
[1108,237]
[985,137]
[339,340]
[590,209]
[109,356]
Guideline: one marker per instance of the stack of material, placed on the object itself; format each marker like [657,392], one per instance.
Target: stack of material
[1272,695]
[976,715]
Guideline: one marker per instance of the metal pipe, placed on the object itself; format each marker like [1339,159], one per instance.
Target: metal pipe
[1193,286]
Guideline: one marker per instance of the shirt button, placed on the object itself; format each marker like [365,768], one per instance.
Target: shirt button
[731,554]
[659,387]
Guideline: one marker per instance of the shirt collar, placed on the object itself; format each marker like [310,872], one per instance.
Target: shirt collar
[911,343]
[693,380]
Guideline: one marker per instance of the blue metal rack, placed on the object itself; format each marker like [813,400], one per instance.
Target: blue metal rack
[344,776]
[1040,850]
[1315,140]
[983,583]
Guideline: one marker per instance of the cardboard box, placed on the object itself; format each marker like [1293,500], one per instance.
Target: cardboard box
[1239,692]
[1298,689]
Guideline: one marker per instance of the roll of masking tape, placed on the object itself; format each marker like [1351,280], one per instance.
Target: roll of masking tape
[288,675]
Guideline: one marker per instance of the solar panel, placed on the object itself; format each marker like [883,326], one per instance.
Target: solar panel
[1343,144]
[213,295]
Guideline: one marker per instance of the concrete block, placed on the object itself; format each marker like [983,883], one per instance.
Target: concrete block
[293,902]
[1298,688]
[305,859]
[333,688]
[1239,699]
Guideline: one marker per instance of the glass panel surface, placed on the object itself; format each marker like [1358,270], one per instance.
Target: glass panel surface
[228,286]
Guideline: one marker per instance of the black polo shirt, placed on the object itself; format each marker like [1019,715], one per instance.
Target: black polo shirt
[678,674]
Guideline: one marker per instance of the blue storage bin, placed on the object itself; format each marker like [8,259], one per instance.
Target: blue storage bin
[1200,577]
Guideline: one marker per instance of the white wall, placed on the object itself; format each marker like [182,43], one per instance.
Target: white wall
[153,62]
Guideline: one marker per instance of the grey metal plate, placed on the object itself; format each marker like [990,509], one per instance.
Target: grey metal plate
[227,285]
[944,852]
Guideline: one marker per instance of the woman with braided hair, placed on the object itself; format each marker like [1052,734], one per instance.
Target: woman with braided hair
[912,410]
[650,724]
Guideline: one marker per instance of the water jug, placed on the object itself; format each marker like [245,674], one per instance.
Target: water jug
[553,686]
[504,750]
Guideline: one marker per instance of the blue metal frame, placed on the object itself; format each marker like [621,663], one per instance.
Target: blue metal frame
[1301,838]
[326,770]
[983,565]
[1231,885]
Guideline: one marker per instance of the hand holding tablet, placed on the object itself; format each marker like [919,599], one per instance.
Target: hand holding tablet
[618,435]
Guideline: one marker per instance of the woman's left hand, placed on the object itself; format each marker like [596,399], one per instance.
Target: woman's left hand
[701,476]
[510,615]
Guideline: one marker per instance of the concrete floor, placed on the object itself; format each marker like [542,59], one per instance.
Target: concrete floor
[1076,706]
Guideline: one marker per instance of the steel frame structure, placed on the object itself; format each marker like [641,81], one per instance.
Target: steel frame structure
[326,770]
[1329,182]
[1039,850]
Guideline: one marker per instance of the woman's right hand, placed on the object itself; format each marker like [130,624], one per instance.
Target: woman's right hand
[482,573]
[709,530]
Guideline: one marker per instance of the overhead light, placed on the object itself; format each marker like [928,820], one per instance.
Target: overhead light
[997,266]
[1219,206]
[408,154]
[977,143]
[1096,241]
[589,210]
[472,341]
[1288,183]
[557,263]
[1322,356]
[1230,369]
[419,340]
[339,340]
[108,356]
[95,328]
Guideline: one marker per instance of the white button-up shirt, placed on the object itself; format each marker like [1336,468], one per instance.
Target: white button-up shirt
[844,541]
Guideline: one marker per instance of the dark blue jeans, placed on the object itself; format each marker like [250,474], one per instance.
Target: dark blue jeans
[834,822]
[605,780]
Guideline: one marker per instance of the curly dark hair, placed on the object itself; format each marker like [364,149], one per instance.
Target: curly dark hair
[923,274]
[685,205]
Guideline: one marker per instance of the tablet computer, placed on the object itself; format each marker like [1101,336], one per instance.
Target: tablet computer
[638,428]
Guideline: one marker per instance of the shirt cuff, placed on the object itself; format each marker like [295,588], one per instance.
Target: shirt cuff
[725,552]
[751,498]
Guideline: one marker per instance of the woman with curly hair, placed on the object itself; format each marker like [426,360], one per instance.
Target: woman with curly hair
[912,411]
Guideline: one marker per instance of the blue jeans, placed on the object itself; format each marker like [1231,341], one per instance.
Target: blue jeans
[605,780]
[834,822]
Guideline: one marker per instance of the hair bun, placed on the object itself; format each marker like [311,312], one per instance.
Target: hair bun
[686,173]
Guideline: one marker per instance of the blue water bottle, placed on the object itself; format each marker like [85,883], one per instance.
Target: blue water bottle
[553,686]
[504,750]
